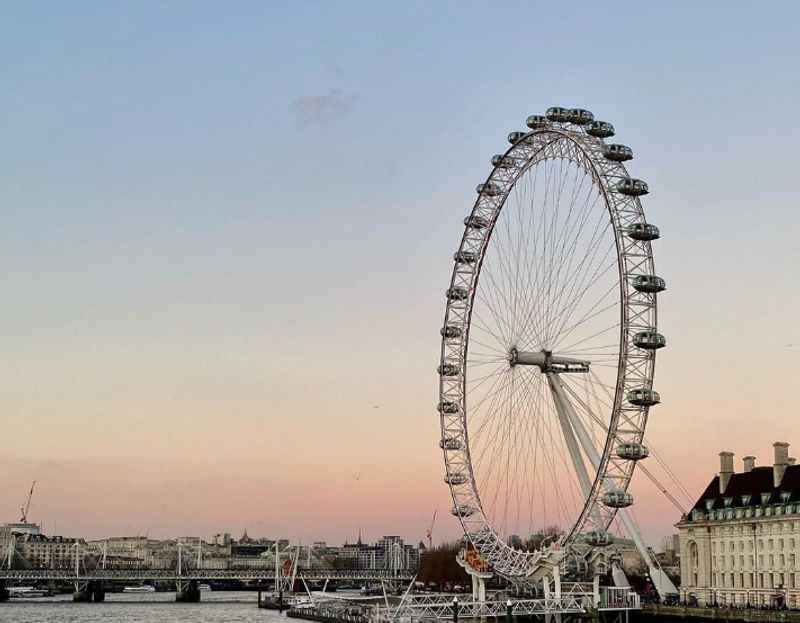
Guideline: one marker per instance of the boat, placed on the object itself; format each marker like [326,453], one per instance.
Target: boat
[204,587]
[144,588]
[26,592]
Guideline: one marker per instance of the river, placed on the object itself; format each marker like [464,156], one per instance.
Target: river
[215,607]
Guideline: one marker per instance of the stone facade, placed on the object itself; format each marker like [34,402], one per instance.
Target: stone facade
[740,543]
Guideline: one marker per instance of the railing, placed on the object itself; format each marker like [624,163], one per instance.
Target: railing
[442,607]
[200,574]
[742,597]
[619,598]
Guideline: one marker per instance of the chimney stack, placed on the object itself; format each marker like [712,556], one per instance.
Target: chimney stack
[749,463]
[725,470]
[792,460]
[781,461]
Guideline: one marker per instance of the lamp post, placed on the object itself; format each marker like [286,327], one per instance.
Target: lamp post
[509,616]
[455,609]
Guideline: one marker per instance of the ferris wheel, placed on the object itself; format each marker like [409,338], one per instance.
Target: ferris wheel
[549,344]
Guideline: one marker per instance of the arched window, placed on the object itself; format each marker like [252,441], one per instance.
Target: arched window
[693,556]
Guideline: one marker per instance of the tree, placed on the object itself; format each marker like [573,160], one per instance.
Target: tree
[438,566]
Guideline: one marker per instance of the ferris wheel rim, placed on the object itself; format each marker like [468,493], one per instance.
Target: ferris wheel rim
[486,539]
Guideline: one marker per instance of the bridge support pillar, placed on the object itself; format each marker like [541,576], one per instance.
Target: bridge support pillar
[187,592]
[3,592]
[81,595]
[87,592]
[98,591]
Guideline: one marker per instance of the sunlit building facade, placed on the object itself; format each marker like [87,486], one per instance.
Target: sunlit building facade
[740,543]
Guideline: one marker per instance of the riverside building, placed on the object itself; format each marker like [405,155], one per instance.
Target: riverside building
[740,543]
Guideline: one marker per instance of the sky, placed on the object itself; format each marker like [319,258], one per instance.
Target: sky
[227,231]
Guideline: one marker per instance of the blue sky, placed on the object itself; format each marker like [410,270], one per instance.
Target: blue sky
[241,218]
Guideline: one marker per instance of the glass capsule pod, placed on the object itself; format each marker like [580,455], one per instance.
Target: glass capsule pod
[515,137]
[556,113]
[651,284]
[450,443]
[456,478]
[600,129]
[457,293]
[642,397]
[649,340]
[448,406]
[462,510]
[580,116]
[632,451]
[465,257]
[474,221]
[488,189]
[617,499]
[632,187]
[599,538]
[448,369]
[503,162]
[617,152]
[534,122]
[451,331]
[643,231]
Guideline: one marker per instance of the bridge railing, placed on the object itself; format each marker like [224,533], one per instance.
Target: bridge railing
[619,598]
[199,574]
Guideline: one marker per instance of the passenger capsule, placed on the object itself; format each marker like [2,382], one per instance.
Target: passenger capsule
[556,113]
[515,137]
[599,538]
[580,116]
[534,122]
[448,406]
[643,397]
[503,162]
[465,257]
[462,510]
[617,499]
[488,189]
[643,231]
[651,284]
[456,478]
[450,443]
[457,293]
[649,340]
[448,369]
[473,221]
[632,451]
[632,187]
[600,129]
[450,331]
[617,153]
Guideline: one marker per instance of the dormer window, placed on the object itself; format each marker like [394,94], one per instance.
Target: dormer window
[709,504]
[785,495]
[765,498]
[727,501]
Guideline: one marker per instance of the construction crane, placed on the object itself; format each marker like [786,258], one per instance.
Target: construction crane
[429,531]
[24,509]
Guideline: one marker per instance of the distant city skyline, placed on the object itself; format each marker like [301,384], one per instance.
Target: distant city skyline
[228,233]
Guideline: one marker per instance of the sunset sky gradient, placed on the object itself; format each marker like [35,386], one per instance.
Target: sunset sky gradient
[228,230]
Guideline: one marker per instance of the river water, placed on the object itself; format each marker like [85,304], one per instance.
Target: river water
[215,607]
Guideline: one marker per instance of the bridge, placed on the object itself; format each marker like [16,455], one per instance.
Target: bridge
[171,575]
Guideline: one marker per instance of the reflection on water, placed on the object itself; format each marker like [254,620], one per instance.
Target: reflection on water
[215,607]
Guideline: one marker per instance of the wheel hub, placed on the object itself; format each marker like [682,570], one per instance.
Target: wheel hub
[546,361]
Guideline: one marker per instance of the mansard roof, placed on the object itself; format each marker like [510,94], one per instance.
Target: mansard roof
[753,483]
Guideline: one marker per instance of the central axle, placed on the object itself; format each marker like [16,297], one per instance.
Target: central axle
[546,361]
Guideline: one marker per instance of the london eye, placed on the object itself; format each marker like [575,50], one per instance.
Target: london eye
[549,345]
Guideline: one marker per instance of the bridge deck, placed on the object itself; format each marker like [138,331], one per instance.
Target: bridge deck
[139,575]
